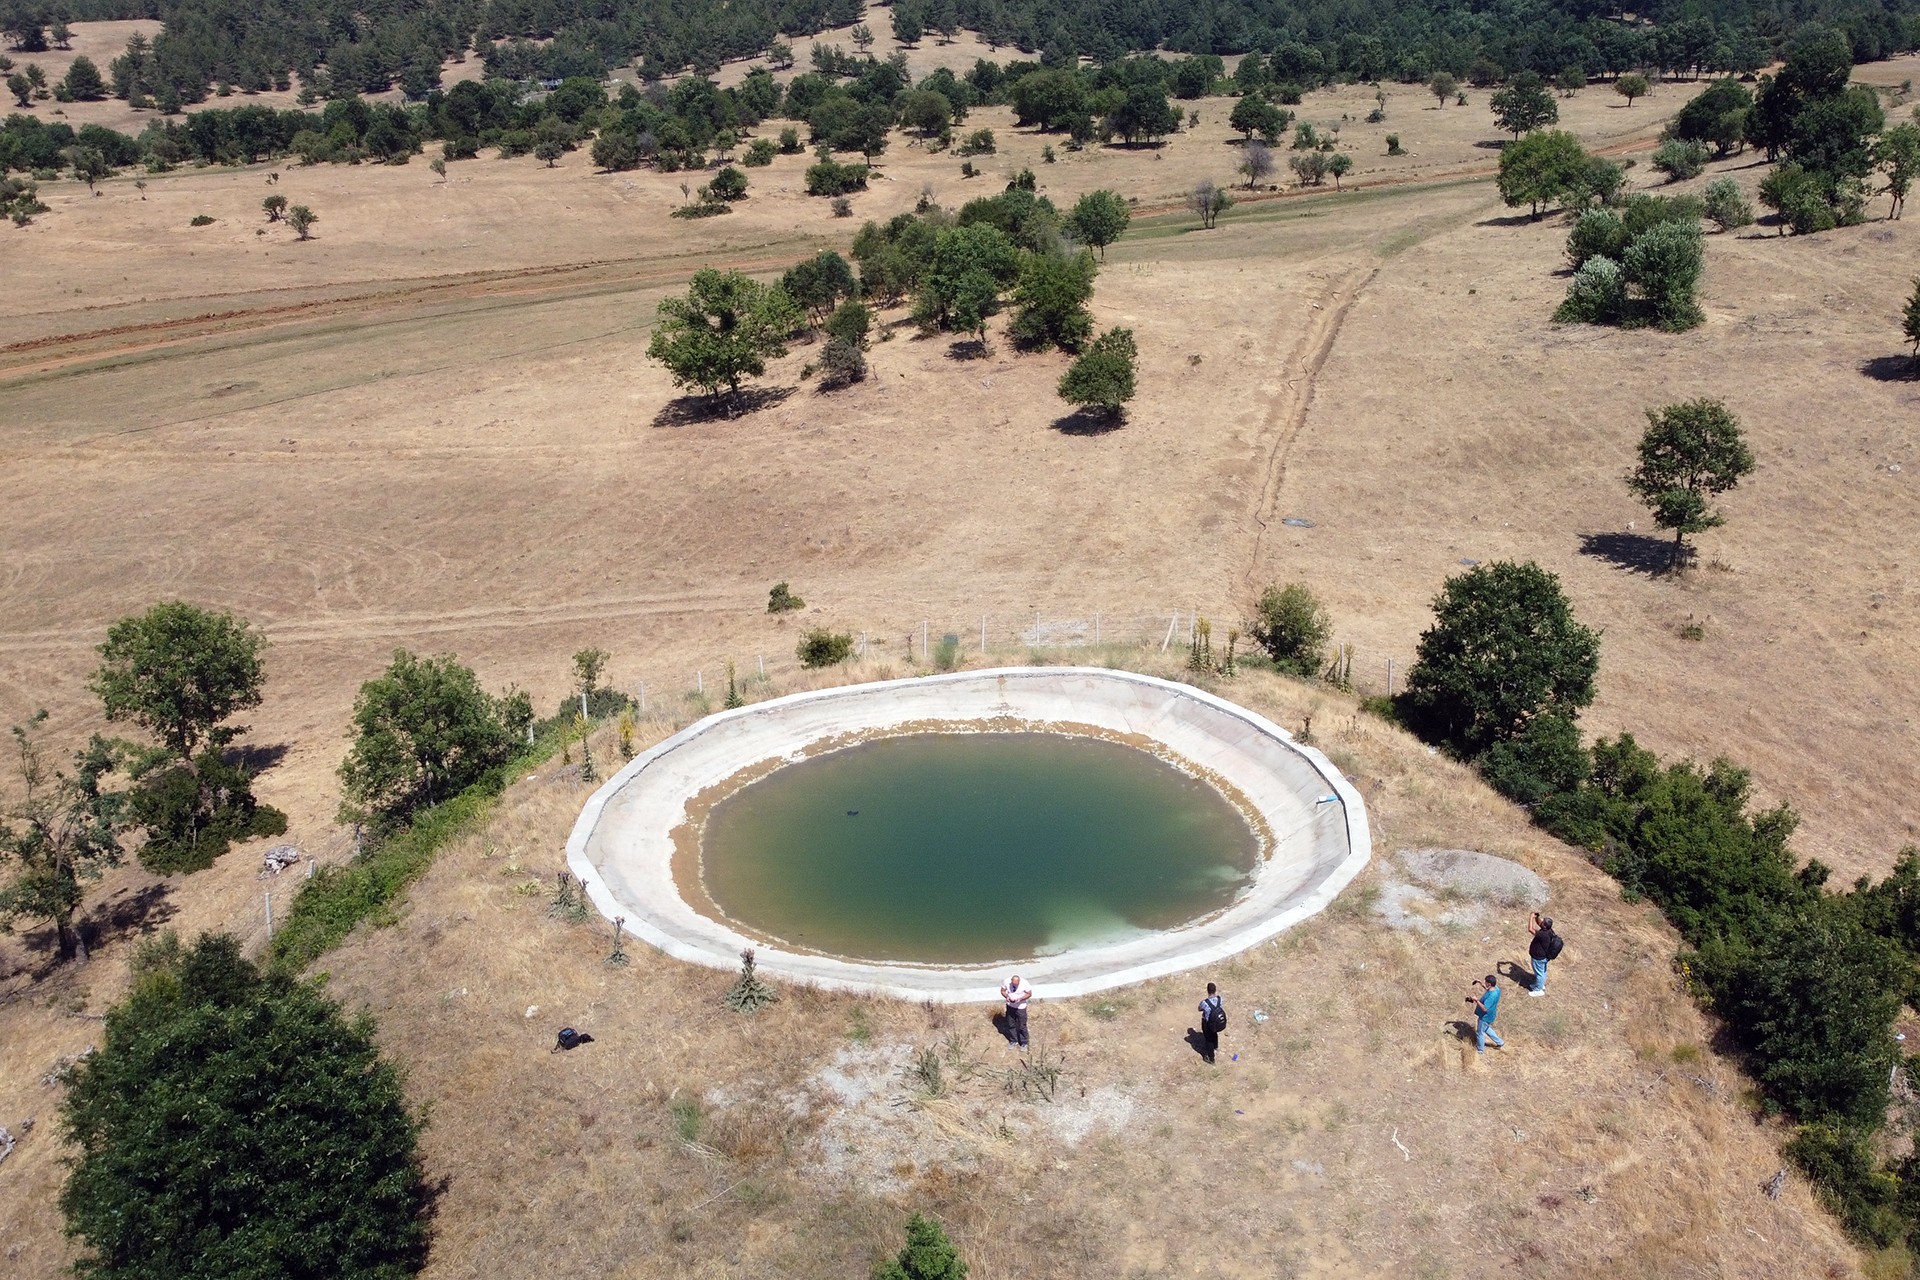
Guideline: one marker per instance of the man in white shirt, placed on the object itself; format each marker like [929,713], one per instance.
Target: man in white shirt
[1016,994]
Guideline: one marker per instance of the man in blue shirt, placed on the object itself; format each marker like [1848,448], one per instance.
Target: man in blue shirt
[1486,1005]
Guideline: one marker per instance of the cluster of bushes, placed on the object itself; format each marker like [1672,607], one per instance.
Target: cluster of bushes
[1638,265]
[1808,980]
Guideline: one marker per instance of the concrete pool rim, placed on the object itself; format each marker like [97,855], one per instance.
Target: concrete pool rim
[1324,837]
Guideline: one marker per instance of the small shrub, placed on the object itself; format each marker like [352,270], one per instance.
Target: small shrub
[1291,624]
[823,648]
[843,362]
[946,654]
[201,220]
[782,600]
[1726,208]
[842,207]
[1597,233]
[1680,160]
[1393,145]
[702,209]
[789,142]
[928,1255]
[759,153]
[1598,294]
[968,171]
[978,143]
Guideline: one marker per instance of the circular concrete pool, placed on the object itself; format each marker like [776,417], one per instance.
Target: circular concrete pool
[918,837]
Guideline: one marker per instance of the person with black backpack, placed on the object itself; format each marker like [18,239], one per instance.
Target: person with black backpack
[1545,947]
[1213,1020]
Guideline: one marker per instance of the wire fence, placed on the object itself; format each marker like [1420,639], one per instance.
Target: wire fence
[1006,638]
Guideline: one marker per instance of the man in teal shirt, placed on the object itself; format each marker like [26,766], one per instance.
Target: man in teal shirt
[1486,1005]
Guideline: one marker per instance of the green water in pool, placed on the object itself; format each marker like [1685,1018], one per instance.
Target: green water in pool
[973,847]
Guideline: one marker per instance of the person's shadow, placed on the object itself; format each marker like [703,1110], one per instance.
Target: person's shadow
[1463,1030]
[1197,1042]
[1520,975]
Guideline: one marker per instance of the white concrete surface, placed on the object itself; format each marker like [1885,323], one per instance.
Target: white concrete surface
[622,850]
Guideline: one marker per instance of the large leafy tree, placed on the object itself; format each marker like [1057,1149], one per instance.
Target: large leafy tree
[1292,625]
[1524,105]
[1542,168]
[1910,320]
[725,330]
[1504,648]
[423,731]
[237,1124]
[1690,453]
[968,267]
[1144,115]
[178,671]
[819,284]
[59,831]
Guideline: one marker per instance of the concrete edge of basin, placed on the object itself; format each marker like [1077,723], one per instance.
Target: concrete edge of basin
[1074,972]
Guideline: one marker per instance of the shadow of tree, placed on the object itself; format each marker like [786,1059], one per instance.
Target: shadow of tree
[130,911]
[256,759]
[1634,552]
[687,411]
[1892,368]
[968,349]
[1089,421]
[1513,220]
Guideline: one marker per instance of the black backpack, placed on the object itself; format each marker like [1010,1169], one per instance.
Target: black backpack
[1555,945]
[1217,1020]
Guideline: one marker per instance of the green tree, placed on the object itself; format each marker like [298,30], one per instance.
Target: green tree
[423,731]
[822,647]
[302,220]
[862,36]
[1144,115]
[84,82]
[237,1124]
[1102,377]
[1719,116]
[729,185]
[1254,114]
[1799,196]
[1338,164]
[1897,155]
[89,166]
[1690,453]
[275,207]
[1541,168]
[1050,301]
[21,88]
[927,110]
[1524,105]
[960,286]
[1099,218]
[1571,80]
[1910,321]
[1504,648]
[928,1255]
[1815,1002]
[907,24]
[1443,86]
[57,832]
[724,330]
[819,284]
[178,671]
[1632,86]
[1292,625]
[588,666]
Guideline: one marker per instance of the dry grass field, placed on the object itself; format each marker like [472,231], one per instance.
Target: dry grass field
[434,426]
